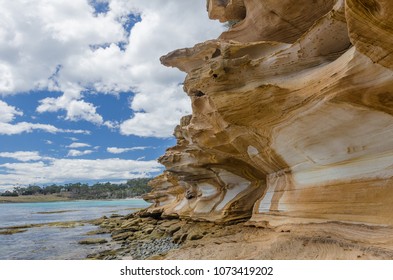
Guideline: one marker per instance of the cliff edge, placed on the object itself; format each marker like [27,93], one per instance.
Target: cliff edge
[292,117]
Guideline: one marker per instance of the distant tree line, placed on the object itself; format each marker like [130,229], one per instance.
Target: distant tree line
[132,188]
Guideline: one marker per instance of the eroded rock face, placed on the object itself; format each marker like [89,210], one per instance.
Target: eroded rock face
[292,116]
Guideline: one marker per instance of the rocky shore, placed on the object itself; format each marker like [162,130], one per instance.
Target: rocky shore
[150,236]
[139,236]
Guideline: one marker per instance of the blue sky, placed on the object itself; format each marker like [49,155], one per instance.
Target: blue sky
[83,97]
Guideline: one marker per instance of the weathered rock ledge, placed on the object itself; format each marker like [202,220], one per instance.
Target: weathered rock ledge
[138,236]
[292,117]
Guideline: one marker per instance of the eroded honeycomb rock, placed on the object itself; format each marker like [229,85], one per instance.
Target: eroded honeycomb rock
[292,116]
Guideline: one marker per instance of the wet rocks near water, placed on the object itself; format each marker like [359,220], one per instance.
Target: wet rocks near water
[12,231]
[98,231]
[23,228]
[147,237]
[116,216]
[91,241]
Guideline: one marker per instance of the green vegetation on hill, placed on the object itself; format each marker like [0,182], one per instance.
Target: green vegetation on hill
[132,188]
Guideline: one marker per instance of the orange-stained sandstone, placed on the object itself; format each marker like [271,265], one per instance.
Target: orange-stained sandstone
[292,116]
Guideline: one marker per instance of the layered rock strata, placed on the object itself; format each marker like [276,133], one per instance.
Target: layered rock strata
[292,117]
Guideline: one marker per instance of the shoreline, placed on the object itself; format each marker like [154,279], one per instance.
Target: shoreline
[50,198]
[44,231]
[139,237]
[34,198]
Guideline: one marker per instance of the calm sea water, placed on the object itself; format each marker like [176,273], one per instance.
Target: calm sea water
[48,242]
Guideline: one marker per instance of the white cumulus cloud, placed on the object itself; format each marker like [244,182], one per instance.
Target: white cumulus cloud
[65,170]
[115,150]
[9,113]
[26,127]
[66,47]
[78,153]
[22,155]
[77,145]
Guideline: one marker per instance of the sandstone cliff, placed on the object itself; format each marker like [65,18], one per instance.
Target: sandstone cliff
[292,116]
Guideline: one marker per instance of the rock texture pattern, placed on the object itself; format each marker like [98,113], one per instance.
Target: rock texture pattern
[292,116]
